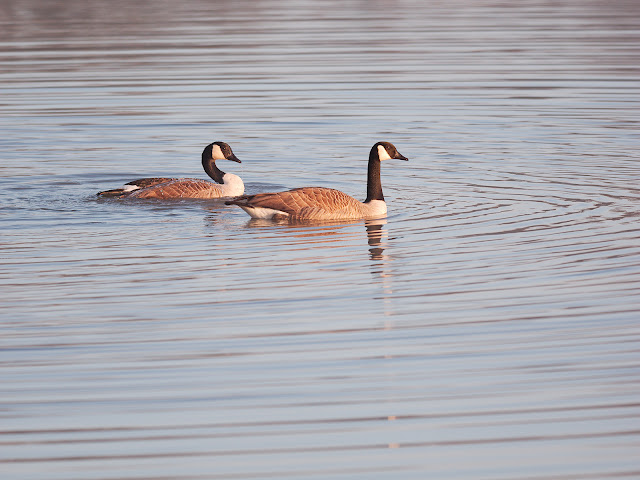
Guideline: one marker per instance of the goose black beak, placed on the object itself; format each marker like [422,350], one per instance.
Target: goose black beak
[401,157]
[233,158]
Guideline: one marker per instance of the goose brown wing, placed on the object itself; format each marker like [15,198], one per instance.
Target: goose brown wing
[307,202]
[149,182]
[180,188]
[140,183]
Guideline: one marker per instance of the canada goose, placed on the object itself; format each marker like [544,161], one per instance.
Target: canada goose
[228,184]
[319,203]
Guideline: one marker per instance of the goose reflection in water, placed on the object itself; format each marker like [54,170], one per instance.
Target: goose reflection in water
[310,246]
[314,233]
[323,232]
[377,238]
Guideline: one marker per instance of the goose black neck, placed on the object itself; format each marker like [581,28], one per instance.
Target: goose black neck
[212,170]
[374,187]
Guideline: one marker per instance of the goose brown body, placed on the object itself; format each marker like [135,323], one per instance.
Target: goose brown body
[320,203]
[180,188]
[306,203]
[228,185]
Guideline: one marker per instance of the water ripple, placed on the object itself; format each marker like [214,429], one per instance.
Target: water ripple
[486,329]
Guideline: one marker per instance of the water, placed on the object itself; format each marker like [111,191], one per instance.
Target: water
[486,329]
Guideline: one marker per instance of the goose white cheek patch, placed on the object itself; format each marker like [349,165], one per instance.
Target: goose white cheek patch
[382,153]
[216,153]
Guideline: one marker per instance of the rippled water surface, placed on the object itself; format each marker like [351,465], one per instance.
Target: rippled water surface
[487,329]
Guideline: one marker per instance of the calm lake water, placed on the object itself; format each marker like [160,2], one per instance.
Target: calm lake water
[487,329]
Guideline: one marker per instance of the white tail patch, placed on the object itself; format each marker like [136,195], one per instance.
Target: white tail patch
[382,153]
[263,213]
[130,188]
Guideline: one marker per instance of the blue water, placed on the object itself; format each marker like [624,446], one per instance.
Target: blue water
[486,329]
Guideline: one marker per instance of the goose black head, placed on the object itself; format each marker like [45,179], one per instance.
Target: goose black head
[387,151]
[219,151]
